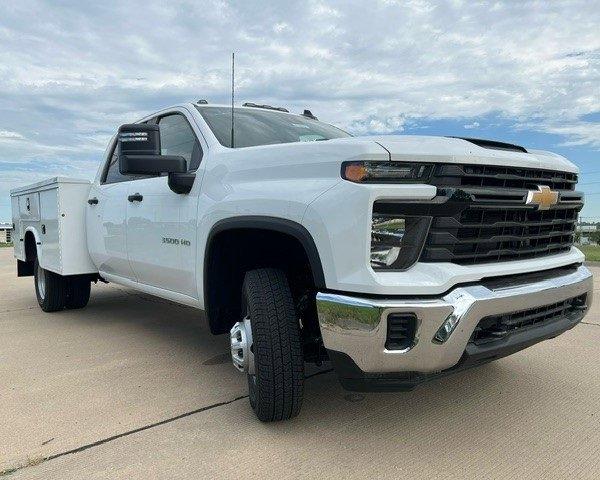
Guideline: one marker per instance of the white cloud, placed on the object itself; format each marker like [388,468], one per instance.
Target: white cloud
[323,10]
[374,125]
[69,78]
[417,58]
[281,27]
[472,125]
[8,135]
[582,133]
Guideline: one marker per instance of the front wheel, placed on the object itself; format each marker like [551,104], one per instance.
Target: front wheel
[276,378]
[50,289]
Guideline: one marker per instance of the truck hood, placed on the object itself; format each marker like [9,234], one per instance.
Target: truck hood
[456,150]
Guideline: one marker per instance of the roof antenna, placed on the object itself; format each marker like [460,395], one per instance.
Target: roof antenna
[232,96]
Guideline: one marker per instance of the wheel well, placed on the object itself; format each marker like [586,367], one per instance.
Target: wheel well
[233,251]
[25,268]
[30,247]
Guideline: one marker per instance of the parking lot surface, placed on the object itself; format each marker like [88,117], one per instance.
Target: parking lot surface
[134,387]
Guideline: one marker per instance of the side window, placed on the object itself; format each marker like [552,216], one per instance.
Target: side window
[112,174]
[178,138]
[111,171]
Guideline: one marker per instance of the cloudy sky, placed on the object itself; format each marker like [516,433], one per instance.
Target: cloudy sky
[524,72]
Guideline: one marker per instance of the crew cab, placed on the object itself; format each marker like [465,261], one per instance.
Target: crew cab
[396,258]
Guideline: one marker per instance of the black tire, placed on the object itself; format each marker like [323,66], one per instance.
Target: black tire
[276,388]
[50,289]
[78,293]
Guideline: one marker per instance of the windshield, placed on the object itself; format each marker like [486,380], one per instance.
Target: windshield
[265,127]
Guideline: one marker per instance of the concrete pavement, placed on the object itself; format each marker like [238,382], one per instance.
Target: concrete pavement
[134,387]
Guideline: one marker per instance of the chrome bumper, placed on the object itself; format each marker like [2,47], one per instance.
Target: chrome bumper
[357,326]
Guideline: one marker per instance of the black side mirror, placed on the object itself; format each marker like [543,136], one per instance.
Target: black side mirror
[139,152]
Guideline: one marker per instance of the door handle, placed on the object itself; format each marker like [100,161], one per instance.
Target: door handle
[136,197]
[93,201]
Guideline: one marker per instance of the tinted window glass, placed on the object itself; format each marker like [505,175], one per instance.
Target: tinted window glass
[112,172]
[265,127]
[178,138]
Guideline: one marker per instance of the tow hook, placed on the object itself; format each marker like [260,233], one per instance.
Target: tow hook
[241,346]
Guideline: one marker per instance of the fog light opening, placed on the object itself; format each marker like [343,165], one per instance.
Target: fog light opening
[446,329]
[396,239]
[401,331]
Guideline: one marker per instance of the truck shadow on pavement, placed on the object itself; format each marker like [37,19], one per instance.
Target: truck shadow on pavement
[184,332]
[169,322]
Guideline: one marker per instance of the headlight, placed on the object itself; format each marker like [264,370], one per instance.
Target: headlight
[397,241]
[386,172]
[386,239]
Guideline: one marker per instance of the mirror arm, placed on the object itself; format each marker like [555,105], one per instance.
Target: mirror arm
[181,182]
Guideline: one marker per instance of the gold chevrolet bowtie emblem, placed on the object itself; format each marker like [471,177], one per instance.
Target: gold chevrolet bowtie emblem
[544,198]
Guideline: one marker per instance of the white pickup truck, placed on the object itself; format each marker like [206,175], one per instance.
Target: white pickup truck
[396,258]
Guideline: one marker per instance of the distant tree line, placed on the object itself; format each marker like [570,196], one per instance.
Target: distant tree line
[594,237]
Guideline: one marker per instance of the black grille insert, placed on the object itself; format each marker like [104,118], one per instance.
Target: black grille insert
[497,327]
[480,234]
[502,177]
[401,329]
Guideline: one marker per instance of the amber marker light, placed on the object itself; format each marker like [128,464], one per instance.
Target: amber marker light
[355,172]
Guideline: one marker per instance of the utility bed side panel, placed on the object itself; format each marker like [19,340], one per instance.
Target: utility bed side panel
[72,204]
[17,234]
[54,212]
[50,257]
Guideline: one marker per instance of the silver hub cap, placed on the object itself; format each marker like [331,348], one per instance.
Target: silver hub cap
[41,282]
[241,346]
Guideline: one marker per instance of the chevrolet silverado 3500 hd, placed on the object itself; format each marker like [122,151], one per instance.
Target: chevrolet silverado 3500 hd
[396,258]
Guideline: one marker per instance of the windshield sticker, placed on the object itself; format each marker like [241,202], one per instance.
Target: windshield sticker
[310,138]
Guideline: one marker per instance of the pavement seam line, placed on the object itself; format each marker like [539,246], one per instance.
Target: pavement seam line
[140,429]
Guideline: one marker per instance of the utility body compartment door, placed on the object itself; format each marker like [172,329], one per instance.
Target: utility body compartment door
[17,233]
[29,206]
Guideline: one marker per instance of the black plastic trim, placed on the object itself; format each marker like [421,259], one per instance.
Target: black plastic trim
[151,164]
[280,225]
[181,183]
[266,223]
[493,144]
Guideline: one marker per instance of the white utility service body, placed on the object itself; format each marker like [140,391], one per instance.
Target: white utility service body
[53,211]
[135,230]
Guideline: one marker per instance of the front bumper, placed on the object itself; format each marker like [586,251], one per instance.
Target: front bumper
[354,329]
